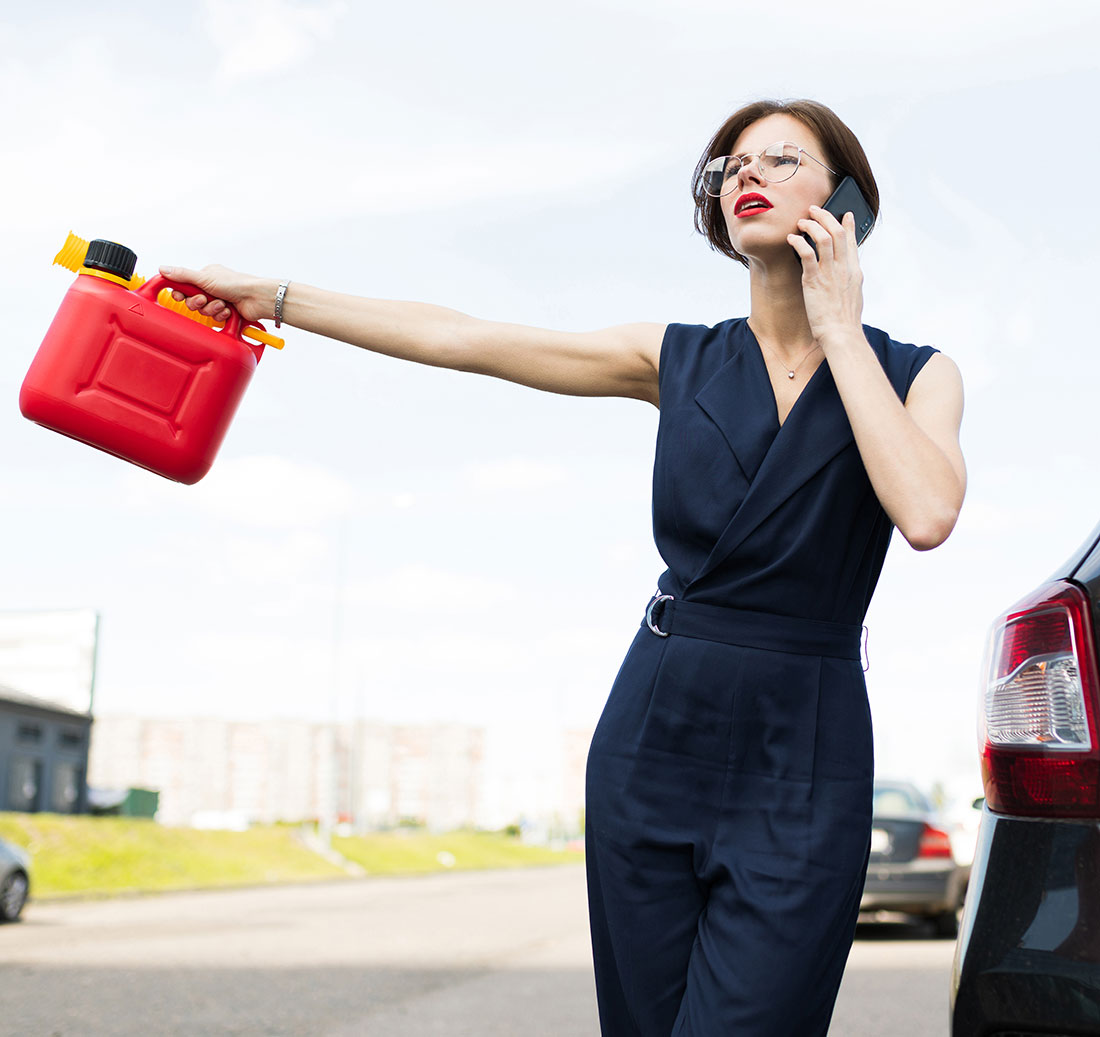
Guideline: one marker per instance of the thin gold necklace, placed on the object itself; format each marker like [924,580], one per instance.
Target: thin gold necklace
[790,370]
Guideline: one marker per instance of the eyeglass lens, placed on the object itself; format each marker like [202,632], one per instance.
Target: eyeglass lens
[777,162]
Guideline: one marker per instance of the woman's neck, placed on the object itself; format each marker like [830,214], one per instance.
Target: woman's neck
[778,310]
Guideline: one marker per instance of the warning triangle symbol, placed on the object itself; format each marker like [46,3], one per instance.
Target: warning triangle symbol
[136,308]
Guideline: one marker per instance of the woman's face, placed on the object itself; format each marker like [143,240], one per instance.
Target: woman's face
[760,232]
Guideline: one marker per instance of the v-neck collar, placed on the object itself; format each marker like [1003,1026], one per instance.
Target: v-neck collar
[776,459]
[736,398]
[755,343]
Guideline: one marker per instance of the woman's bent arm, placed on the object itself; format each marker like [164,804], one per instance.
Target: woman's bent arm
[616,361]
[911,451]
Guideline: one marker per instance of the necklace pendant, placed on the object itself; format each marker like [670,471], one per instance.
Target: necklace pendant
[790,374]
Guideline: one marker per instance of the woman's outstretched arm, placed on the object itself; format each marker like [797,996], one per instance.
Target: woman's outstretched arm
[616,361]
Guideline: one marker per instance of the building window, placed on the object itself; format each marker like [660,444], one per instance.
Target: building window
[71,739]
[66,788]
[29,733]
[25,779]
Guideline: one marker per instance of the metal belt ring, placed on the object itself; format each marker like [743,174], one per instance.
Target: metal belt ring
[657,599]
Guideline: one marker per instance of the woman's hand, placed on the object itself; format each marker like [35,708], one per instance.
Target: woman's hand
[219,287]
[832,281]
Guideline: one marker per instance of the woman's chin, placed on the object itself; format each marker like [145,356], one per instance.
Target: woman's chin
[770,254]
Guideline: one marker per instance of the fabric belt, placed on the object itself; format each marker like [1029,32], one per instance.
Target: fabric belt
[665,615]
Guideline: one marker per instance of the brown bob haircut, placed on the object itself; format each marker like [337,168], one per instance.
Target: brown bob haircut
[843,152]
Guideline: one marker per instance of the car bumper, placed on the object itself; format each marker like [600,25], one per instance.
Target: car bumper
[1028,956]
[916,887]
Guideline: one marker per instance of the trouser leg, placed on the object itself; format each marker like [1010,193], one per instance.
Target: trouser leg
[770,954]
[644,905]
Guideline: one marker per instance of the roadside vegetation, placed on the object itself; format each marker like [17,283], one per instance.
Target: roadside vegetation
[412,851]
[101,856]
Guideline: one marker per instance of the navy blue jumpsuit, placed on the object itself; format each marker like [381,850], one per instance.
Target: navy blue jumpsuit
[729,780]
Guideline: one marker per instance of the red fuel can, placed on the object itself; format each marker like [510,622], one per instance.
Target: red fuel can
[126,375]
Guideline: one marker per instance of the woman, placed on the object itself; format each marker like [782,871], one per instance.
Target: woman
[729,779]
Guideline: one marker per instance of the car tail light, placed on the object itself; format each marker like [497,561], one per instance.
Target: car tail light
[1040,752]
[934,842]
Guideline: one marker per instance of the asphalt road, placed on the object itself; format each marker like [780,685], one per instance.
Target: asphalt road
[486,953]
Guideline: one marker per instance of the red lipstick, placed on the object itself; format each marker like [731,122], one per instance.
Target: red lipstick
[757,202]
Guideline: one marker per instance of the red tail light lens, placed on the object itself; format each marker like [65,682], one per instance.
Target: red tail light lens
[1040,752]
[934,842]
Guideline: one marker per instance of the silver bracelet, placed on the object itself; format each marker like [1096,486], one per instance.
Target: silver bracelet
[280,295]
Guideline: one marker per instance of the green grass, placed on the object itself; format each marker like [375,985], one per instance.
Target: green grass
[99,856]
[405,852]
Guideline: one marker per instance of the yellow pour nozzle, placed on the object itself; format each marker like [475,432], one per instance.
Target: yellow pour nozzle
[72,256]
[75,251]
[72,253]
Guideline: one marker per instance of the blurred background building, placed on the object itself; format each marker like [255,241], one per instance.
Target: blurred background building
[218,772]
[47,684]
[364,774]
[43,755]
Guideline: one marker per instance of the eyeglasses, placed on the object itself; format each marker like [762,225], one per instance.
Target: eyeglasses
[777,162]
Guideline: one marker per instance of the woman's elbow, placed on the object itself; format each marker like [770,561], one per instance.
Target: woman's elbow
[930,531]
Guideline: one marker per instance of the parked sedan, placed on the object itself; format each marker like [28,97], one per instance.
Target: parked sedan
[1028,957]
[913,867]
[15,870]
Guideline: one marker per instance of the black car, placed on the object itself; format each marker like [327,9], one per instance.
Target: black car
[14,881]
[1028,957]
[914,867]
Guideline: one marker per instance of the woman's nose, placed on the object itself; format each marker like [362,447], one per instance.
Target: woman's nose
[750,171]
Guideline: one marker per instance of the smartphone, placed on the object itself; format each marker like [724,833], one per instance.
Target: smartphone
[849,198]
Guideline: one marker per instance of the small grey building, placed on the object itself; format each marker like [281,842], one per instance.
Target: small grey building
[43,755]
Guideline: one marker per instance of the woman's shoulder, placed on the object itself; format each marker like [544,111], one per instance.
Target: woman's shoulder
[692,352]
[902,361]
[719,341]
[703,333]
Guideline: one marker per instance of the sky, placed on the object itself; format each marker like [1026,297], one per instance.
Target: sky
[405,543]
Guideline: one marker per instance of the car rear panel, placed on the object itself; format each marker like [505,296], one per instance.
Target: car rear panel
[1027,961]
[1028,956]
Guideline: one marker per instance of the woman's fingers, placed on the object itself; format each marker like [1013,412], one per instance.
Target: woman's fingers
[206,302]
[840,234]
[821,236]
[802,247]
[835,239]
[218,290]
[849,222]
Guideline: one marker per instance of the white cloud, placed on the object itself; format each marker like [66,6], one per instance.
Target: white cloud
[258,38]
[427,590]
[273,491]
[514,473]
[263,491]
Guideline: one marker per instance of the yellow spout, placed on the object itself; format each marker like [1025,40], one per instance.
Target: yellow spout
[72,256]
[72,253]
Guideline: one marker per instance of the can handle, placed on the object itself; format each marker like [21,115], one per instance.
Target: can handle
[152,288]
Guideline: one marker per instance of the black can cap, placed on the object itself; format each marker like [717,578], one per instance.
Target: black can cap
[111,258]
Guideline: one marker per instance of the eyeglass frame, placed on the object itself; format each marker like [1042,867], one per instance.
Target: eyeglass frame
[759,155]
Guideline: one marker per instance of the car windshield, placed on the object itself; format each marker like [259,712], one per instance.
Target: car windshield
[899,799]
